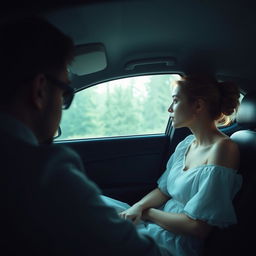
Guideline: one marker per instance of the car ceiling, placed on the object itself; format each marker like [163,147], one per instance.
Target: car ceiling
[199,35]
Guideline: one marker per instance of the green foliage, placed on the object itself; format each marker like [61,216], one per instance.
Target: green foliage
[129,106]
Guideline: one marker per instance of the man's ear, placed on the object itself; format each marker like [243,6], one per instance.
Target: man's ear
[39,91]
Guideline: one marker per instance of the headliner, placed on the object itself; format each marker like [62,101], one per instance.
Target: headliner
[208,34]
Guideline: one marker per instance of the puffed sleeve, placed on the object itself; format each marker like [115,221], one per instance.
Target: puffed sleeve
[213,191]
[162,181]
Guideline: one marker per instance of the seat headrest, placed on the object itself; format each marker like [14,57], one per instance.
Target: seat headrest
[246,114]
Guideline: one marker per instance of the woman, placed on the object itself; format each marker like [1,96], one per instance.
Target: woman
[196,191]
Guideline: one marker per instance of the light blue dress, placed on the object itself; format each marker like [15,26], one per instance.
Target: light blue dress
[204,192]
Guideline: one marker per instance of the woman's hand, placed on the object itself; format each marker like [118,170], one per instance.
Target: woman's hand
[134,214]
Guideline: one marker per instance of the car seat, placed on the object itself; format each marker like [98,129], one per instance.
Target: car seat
[240,239]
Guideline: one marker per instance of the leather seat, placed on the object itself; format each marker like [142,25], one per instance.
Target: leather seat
[240,239]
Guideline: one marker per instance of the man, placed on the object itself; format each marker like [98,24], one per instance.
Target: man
[48,206]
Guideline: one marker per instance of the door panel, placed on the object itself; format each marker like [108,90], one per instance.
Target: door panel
[125,168]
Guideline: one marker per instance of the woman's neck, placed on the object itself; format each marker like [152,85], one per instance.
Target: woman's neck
[206,133]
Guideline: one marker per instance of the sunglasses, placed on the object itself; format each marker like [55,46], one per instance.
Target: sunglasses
[68,94]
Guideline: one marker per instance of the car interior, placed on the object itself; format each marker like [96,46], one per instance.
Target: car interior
[133,38]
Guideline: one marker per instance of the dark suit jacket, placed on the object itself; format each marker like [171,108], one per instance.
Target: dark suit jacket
[49,207]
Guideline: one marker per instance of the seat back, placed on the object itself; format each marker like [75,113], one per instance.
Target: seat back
[240,239]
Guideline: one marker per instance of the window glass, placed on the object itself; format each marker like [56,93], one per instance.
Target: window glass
[128,106]
[123,107]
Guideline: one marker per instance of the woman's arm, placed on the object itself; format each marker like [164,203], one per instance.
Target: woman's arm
[177,223]
[155,198]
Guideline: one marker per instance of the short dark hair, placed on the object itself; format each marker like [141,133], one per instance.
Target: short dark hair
[29,46]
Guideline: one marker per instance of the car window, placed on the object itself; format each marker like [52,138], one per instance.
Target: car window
[122,107]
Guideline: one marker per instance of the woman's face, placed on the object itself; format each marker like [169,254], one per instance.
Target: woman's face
[181,110]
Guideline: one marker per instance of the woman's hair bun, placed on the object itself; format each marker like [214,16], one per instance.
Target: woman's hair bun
[222,98]
[229,97]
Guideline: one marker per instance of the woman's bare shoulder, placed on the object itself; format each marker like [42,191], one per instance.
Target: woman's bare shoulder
[225,153]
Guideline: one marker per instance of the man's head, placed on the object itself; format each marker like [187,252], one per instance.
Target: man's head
[33,73]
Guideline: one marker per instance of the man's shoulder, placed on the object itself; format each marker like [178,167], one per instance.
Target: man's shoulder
[59,157]
[61,167]
[57,151]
